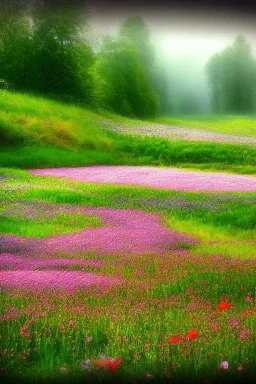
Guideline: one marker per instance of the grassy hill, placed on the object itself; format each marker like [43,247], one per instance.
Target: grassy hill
[38,132]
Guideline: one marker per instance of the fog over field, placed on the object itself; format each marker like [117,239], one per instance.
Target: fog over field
[183,39]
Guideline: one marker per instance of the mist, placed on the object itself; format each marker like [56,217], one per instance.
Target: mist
[131,59]
[183,40]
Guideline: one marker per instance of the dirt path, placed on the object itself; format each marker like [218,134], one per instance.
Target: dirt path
[178,133]
[166,178]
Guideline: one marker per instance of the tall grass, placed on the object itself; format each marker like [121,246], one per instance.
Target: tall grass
[37,133]
[63,224]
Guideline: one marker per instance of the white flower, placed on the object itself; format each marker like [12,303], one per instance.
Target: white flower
[63,370]
[85,364]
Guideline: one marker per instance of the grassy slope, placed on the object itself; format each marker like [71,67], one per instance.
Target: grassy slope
[39,133]
[231,125]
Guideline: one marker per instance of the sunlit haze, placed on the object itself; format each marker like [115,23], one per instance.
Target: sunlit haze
[181,32]
[183,40]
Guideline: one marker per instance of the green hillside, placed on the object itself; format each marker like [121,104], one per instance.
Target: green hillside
[38,132]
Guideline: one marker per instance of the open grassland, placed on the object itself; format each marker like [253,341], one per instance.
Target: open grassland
[158,285]
[38,133]
[231,125]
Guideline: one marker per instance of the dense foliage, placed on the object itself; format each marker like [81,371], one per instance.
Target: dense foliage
[44,49]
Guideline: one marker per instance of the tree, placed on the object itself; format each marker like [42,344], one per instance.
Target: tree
[61,57]
[243,74]
[135,31]
[15,42]
[231,75]
[122,81]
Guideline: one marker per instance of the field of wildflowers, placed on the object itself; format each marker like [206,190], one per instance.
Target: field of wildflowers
[103,282]
[170,178]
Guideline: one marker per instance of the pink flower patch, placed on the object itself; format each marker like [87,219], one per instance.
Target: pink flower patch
[169,178]
[54,279]
[124,231]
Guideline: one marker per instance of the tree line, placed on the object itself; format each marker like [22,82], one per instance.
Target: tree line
[45,48]
[232,79]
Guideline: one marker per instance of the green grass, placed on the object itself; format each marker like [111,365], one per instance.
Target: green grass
[48,156]
[27,120]
[231,125]
[37,133]
[62,224]
[215,239]
[142,151]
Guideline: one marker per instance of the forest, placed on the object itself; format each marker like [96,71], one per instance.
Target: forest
[47,48]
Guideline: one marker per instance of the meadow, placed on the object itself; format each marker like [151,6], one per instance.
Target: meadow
[127,230]
[123,274]
[158,286]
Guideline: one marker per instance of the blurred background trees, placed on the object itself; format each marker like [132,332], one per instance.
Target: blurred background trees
[45,49]
[125,72]
[61,59]
[232,79]
[15,43]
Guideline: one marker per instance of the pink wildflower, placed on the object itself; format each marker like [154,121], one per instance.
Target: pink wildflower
[224,365]
[249,299]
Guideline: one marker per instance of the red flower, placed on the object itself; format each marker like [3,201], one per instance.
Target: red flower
[99,364]
[223,305]
[109,364]
[119,360]
[112,367]
[174,339]
[107,361]
[192,334]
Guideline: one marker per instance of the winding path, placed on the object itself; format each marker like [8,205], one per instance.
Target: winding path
[179,133]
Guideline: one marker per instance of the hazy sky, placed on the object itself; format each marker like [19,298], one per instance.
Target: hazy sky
[197,31]
[184,33]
